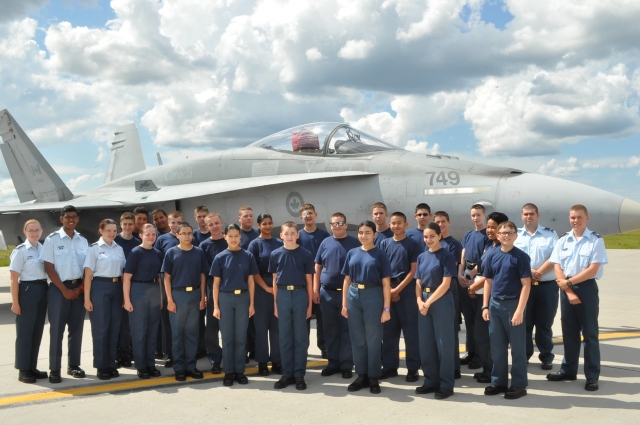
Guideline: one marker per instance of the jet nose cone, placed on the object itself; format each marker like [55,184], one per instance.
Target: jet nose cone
[629,216]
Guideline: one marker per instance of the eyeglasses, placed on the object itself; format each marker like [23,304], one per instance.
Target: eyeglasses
[338,223]
[70,217]
[507,233]
[186,234]
[423,215]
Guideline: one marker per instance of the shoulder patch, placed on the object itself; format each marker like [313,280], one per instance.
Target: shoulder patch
[94,244]
[548,228]
[51,234]
[20,246]
[597,235]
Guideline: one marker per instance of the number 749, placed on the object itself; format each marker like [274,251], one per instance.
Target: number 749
[441,178]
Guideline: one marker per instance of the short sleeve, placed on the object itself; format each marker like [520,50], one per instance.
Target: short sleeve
[131,265]
[47,251]
[253,266]
[167,263]
[318,259]
[415,252]
[345,268]
[17,260]
[599,253]
[204,263]
[90,260]
[385,265]
[487,267]
[419,263]
[216,270]
[273,263]
[449,266]
[524,265]
[555,254]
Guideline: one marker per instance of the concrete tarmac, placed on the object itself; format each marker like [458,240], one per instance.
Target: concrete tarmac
[326,401]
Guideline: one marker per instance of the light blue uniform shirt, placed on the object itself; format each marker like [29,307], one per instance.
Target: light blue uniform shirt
[67,255]
[105,260]
[576,255]
[539,247]
[25,259]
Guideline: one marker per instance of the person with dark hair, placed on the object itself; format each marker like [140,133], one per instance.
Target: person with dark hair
[266,323]
[366,299]
[578,258]
[441,218]
[423,217]
[474,243]
[508,281]
[29,302]
[233,300]
[201,233]
[379,215]
[403,255]
[141,217]
[63,254]
[434,272]
[213,246]
[103,297]
[184,268]
[160,220]
[538,242]
[476,291]
[142,300]
[292,269]
[327,289]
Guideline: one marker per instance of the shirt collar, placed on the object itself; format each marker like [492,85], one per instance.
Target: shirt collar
[587,234]
[101,242]
[63,234]
[523,230]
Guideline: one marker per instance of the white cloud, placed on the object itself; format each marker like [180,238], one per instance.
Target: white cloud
[313,54]
[74,183]
[560,168]
[422,147]
[634,161]
[102,154]
[8,193]
[355,49]
[13,9]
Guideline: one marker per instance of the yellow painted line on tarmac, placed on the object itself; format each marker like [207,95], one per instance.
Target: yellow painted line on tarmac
[170,380]
[121,386]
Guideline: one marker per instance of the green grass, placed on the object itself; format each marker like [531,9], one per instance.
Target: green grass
[629,240]
[4,256]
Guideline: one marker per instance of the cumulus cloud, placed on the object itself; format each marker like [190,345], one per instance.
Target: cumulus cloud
[74,183]
[355,49]
[560,168]
[13,9]
[313,54]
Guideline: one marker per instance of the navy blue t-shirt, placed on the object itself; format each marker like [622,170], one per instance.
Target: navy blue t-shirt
[380,236]
[475,243]
[166,242]
[143,264]
[185,267]
[506,269]
[127,244]
[418,236]
[233,268]
[454,247]
[401,255]
[247,236]
[261,250]
[368,267]
[291,265]
[212,248]
[199,237]
[331,256]
[311,241]
[434,266]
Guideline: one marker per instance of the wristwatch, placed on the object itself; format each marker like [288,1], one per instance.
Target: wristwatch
[387,309]
[569,284]
[485,308]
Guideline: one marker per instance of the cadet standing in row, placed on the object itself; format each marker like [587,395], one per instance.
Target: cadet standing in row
[538,242]
[379,215]
[63,254]
[29,302]
[578,258]
[423,217]
[327,289]
[127,241]
[103,298]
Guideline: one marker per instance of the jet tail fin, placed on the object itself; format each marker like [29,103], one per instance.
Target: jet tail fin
[126,153]
[32,176]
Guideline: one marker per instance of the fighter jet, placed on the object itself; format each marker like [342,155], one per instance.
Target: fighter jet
[333,166]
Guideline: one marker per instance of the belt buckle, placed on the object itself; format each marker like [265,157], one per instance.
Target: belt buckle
[427,290]
[338,289]
[74,281]
[188,288]
[290,287]
[361,286]
[115,279]
[535,283]
[237,292]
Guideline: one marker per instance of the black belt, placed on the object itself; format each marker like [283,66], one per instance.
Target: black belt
[504,299]
[72,281]
[542,282]
[469,265]
[44,281]
[235,291]
[145,281]
[107,279]
[291,287]
[186,288]
[332,289]
[365,286]
[398,279]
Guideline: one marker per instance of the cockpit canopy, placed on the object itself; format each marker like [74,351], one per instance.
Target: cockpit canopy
[324,138]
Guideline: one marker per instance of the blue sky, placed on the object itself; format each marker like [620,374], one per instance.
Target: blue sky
[497,82]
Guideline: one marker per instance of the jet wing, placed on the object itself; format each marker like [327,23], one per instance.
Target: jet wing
[123,198]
